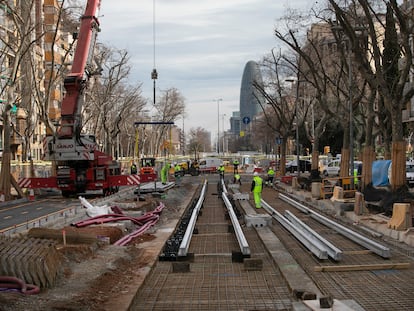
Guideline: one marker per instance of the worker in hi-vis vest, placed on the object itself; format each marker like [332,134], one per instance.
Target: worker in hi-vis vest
[257,186]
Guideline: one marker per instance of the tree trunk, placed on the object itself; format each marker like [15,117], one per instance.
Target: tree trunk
[344,170]
[368,156]
[5,183]
[398,176]
[283,156]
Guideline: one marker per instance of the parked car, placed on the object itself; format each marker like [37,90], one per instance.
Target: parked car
[409,171]
[304,165]
[331,168]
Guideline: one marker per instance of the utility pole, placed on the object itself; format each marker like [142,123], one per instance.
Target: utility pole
[218,124]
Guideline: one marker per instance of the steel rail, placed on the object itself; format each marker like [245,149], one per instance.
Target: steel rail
[185,243]
[333,252]
[311,243]
[373,246]
[241,239]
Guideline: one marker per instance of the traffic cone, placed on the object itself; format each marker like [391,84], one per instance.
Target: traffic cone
[31,195]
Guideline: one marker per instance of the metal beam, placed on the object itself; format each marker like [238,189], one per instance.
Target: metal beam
[375,247]
[333,252]
[185,243]
[153,122]
[312,244]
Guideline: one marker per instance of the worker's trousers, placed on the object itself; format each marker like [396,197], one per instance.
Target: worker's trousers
[257,198]
[164,176]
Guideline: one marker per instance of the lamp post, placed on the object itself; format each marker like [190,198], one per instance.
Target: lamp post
[297,121]
[224,133]
[351,132]
[218,124]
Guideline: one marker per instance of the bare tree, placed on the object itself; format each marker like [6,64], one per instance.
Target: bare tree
[374,69]
[280,110]
[198,142]
[16,48]
[111,103]
[169,107]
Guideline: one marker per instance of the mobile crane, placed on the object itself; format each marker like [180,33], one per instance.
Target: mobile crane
[80,166]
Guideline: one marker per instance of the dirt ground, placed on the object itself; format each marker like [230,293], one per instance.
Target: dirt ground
[104,277]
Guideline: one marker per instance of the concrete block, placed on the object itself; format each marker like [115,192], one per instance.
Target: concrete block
[241,196]
[338,193]
[360,206]
[316,190]
[233,186]
[257,220]
[326,302]
[401,217]
[295,183]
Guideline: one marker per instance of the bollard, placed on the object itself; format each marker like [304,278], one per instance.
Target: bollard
[31,195]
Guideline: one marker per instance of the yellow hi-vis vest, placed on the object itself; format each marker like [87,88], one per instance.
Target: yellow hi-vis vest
[258,182]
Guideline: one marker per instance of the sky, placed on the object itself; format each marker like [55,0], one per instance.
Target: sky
[201,48]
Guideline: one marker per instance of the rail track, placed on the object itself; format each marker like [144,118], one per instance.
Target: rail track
[215,268]
[227,255]
[224,268]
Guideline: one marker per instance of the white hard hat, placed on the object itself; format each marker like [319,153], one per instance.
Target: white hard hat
[255,173]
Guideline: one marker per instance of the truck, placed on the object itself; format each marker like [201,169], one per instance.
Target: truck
[80,166]
[209,165]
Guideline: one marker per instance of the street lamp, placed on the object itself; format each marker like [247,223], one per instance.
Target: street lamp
[218,124]
[351,128]
[297,121]
[358,31]
[224,133]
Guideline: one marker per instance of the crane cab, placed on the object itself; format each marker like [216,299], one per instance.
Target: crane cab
[147,170]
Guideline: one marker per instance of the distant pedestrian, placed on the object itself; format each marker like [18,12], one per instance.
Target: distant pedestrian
[237,179]
[257,187]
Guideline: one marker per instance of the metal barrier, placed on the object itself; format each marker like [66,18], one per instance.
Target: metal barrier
[349,185]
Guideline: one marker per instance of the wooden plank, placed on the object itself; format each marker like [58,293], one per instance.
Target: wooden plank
[404,265]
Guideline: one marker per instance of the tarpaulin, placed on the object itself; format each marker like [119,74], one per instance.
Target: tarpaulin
[380,172]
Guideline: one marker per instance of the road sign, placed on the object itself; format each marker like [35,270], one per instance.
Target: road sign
[246,120]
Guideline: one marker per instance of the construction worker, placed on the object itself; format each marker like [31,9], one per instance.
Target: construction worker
[270,176]
[164,173]
[237,179]
[257,187]
[134,169]
[236,166]
[177,174]
[221,170]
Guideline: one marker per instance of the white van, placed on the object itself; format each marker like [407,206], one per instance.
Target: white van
[209,165]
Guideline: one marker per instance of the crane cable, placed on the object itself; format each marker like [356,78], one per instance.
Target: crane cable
[154,74]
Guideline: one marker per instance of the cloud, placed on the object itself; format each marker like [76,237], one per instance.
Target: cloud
[201,47]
